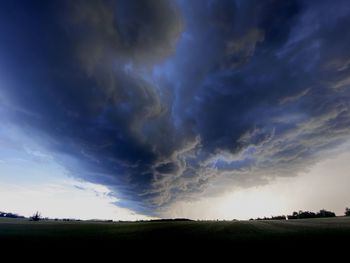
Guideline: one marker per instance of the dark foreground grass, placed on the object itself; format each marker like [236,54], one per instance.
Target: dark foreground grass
[235,234]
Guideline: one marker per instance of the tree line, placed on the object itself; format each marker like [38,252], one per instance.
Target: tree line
[304,215]
[10,215]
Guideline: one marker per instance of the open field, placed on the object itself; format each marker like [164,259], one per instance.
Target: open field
[266,233]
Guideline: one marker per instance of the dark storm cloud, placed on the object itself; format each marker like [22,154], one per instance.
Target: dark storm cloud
[123,31]
[163,100]
[262,99]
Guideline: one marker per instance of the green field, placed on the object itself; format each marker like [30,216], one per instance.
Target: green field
[23,231]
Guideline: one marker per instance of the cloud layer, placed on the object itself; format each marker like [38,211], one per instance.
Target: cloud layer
[169,100]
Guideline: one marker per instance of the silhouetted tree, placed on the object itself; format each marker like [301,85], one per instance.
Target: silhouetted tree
[36,217]
[347,211]
[293,216]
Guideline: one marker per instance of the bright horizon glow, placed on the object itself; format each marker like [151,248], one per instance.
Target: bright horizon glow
[68,199]
[323,186]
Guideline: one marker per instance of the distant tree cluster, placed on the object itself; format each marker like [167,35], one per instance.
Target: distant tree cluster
[303,215]
[10,215]
[169,220]
[308,214]
[278,217]
[270,218]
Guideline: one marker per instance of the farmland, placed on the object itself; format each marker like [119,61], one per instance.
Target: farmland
[272,232]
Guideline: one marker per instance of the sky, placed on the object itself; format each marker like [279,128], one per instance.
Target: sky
[173,108]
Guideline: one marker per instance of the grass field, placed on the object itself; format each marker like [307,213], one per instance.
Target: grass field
[262,233]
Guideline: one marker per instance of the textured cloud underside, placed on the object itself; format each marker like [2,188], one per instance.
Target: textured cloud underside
[168,100]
